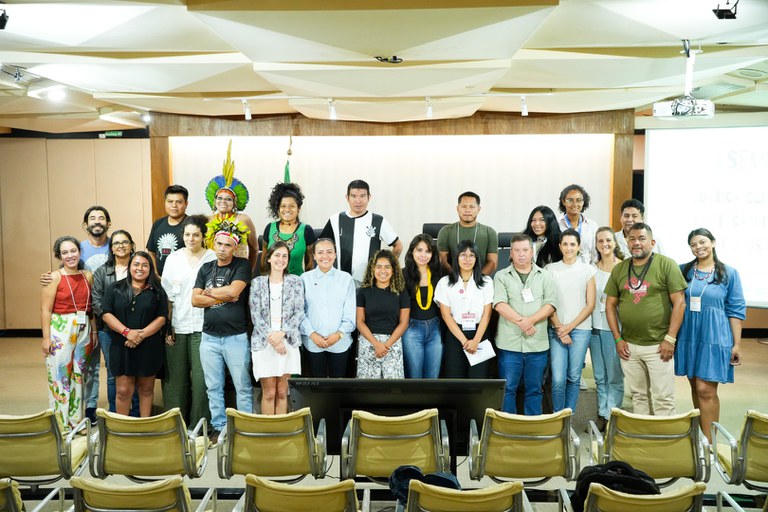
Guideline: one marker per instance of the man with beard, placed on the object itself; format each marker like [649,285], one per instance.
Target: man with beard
[167,232]
[646,293]
[484,237]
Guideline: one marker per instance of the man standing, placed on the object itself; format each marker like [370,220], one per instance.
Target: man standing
[524,296]
[358,233]
[484,237]
[222,289]
[95,249]
[167,232]
[646,293]
[632,212]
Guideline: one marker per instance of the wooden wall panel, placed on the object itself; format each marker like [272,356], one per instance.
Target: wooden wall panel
[621,182]
[25,228]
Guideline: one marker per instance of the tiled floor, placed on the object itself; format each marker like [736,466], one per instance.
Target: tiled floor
[23,389]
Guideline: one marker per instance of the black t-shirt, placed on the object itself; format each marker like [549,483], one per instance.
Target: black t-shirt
[382,308]
[431,312]
[227,318]
[163,240]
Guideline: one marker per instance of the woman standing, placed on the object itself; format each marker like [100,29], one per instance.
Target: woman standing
[605,360]
[184,382]
[136,309]
[382,318]
[277,308]
[285,202]
[68,333]
[573,201]
[465,297]
[571,323]
[709,342]
[544,230]
[422,343]
[115,269]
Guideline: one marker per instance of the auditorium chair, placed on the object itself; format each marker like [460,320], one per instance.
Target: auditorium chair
[262,495]
[733,504]
[602,499]
[159,496]
[432,229]
[504,497]
[505,247]
[744,462]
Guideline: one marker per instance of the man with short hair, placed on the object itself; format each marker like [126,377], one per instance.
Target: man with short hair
[467,228]
[646,293]
[632,212]
[358,233]
[167,232]
[524,297]
[222,289]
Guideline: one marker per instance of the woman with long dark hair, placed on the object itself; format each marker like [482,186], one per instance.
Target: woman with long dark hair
[136,309]
[422,344]
[709,341]
[465,297]
[284,204]
[544,230]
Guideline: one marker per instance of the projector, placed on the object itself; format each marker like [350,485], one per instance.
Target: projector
[685,106]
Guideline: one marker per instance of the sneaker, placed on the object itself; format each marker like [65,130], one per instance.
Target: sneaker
[90,413]
[213,437]
[582,384]
[601,423]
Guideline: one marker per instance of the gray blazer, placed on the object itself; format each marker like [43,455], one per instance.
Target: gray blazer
[293,310]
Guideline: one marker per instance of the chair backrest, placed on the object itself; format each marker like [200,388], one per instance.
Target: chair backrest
[524,447]
[10,498]
[432,228]
[603,499]
[271,446]
[504,497]
[374,445]
[263,495]
[161,496]
[33,446]
[662,446]
[153,446]
[753,450]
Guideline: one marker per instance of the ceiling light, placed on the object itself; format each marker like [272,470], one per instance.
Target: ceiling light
[726,13]
[3,18]
[332,110]
[523,106]
[429,107]
[247,111]
[146,117]
[53,92]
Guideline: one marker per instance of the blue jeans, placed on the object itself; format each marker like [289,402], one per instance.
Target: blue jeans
[608,375]
[528,365]
[105,342]
[234,352]
[422,349]
[566,364]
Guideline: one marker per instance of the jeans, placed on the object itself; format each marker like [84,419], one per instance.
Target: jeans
[105,342]
[566,364]
[608,375]
[234,352]
[528,365]
[422,349]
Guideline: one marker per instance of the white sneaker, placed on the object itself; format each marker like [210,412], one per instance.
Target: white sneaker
[582,384]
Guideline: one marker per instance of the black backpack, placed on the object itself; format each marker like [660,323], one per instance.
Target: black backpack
[616,475]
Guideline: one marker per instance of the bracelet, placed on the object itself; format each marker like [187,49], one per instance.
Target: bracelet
[670,339]
[125,332]
[618,340]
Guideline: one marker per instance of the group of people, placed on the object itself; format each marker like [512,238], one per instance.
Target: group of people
[189,307]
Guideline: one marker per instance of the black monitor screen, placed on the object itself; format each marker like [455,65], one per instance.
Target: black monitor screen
[458,401]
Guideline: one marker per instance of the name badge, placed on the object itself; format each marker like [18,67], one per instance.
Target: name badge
[81,318]
[603,298]
[468,322]
[527,295]
[696,304]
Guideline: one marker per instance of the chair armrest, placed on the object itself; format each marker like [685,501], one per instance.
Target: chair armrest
[563,500]
[66,455]
[595,438]
[722,495]
[704,452]
[202,426]
[473,457]
[94,446]
[575,448]
[346,457]
[736,464]
[445,455]
[526,504]
[211,493]
[55,491]
[321,442]
[222,455]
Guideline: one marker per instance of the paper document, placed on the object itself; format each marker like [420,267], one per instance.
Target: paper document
[484,353]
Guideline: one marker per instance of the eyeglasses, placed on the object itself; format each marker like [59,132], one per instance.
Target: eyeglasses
[467,256]
[578,200]
[124,243]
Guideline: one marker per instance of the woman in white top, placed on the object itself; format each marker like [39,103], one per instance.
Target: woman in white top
[571,323]
[573,202]
[465,297]
[605,360]
[184,382]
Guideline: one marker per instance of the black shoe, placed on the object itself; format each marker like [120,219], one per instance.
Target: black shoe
[213,437]
[90,413]
[601,423]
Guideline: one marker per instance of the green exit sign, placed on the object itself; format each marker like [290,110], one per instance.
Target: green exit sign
[113,134]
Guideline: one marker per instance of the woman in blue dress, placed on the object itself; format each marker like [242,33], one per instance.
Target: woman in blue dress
[709,341]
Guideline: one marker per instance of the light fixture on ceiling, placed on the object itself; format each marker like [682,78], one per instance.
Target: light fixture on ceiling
[523,106]
[247,110]
[146,117]
[51,92]
[394,59]
[726,13]
[332,110]
[429,107]
[3,17]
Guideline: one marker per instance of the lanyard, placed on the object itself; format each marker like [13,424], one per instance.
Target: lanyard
[706,280]
[568,223]
[639,277]
[72,294]
[458,228]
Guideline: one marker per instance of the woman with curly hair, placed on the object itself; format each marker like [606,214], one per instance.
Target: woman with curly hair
[422,343]
[573,201]
[284,204]
[383,309]
[544,230]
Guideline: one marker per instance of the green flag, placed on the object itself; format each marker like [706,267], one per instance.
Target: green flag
[287,175]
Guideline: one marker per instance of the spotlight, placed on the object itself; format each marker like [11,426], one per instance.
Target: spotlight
[429,107]
[332,110]
[146,117]
[3,18]
[523,107]
[726,13]
[247,111]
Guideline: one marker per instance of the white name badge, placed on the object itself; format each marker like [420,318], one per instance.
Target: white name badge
[696,304]
[468,322]
[527,295]
[81,318]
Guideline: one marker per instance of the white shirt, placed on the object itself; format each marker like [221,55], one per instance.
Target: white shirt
[178,281]
[361,240]
[587,229]
[571,290]
[599,320]
[472,300]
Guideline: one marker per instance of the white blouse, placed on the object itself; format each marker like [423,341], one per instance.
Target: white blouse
[178,281]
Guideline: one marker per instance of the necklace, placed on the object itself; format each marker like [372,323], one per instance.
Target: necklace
[430,292]
[291,241]
[639,277]
[706,276]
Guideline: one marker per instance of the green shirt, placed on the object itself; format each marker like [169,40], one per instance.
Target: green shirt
[508,288]
[485,237]
[645,310]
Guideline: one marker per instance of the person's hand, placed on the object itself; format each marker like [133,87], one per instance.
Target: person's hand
[45,279]
[133,339]
[530,332]
[170,337]
[94,338]
[47,347]
[566,339]
[736,355]
[318,340]
[471,345]
[564,330]
[622,348]
[280,348]
[275,337]
[524,324]
[666,350]
[332,339]
[381,349]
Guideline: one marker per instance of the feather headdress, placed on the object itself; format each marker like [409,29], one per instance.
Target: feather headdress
[227,181]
